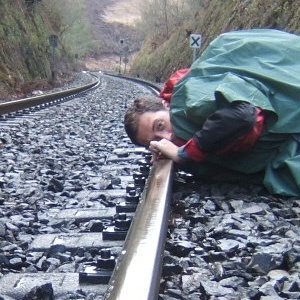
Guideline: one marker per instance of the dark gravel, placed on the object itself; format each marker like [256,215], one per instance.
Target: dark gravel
[229,242]
[56,159]
[224,241]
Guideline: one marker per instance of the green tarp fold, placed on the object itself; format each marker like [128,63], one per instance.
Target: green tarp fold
[261,67]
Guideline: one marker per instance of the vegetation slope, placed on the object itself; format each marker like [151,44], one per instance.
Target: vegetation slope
[166,45]
[160,38]
[28,60]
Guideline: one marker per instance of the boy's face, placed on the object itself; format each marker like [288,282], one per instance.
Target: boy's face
[154,126]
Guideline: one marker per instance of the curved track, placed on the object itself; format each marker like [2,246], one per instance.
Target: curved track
[45,100]
[114,207]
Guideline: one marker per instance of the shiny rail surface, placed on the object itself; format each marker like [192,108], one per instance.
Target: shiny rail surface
[142,253]
[21,104]
[155,88]
[141,257]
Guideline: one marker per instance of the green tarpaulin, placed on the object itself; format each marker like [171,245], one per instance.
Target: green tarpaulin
[261,67]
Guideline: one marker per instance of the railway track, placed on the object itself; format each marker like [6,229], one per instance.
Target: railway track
[67,248]
[75,224]
[40,102]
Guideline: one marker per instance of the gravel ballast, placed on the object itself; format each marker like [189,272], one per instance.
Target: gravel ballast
[224,241]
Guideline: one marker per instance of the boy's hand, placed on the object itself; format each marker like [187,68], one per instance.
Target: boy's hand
[164,149]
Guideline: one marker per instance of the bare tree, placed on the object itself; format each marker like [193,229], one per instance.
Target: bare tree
[160,17]
[71,26]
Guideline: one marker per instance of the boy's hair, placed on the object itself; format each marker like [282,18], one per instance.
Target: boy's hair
[139,106]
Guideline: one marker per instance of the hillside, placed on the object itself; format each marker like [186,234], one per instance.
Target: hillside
[88,34]
[110,21]
[216,17]
[25,53]
[24,47]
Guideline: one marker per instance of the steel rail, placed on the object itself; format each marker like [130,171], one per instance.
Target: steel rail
[138,270]
[142,253]
[21,104]
[150,85]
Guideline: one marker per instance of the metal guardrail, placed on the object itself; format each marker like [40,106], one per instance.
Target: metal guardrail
[138,270]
